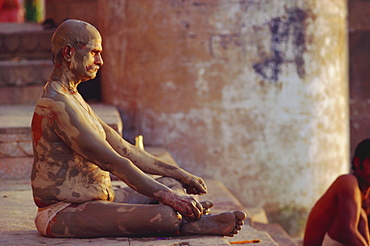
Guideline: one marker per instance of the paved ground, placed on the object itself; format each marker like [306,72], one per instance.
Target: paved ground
[17,213]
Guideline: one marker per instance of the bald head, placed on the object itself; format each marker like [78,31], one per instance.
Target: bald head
[72,32]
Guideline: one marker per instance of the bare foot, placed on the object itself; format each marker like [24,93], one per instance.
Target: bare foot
[224,224]
[207,205]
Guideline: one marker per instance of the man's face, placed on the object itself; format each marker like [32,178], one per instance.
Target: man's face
[364,171]
[87,59]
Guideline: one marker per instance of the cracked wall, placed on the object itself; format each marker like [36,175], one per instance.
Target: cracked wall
[253,93]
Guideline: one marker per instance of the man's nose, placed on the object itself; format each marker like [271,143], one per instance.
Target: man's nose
[99,60]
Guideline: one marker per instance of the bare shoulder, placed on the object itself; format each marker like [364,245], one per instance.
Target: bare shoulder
[346,179]
[51,97]
[50,108]
[56,101]
[346,184]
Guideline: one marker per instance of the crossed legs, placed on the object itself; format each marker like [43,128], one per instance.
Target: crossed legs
[104,219]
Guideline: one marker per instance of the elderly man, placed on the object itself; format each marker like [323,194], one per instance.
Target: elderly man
[339,217]
[75,151]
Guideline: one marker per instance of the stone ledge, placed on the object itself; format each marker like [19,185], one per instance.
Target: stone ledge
[26,40]
[15,168]
[21,73]
[20,95]
[17,228]
[18,212]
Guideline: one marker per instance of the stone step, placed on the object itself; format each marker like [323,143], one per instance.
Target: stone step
[25,72]
[20,95]
[21,81]
[25,40]
[277,233]
[16,154]
[25,61]
[267,234]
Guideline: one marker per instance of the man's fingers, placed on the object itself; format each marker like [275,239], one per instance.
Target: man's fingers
[192,190]
[198,188]
[202,188]
[203,185]
[194,211]
[197,209]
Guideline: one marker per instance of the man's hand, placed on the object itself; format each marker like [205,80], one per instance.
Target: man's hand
[194,184]
[186,205]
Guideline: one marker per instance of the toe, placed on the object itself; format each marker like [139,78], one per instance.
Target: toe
[240,215]
[207,204]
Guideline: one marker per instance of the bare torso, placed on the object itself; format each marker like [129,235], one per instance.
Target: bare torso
[333,211]
[59,173]
[323,214]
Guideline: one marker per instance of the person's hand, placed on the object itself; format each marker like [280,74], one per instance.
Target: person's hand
[193,184]
[186,205]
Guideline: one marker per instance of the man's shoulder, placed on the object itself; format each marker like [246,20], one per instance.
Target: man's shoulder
[49,102]
[51,107]
[346,178]
[346,183]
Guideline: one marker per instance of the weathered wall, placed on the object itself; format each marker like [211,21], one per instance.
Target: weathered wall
[72,9]
[359,72]
[251,92]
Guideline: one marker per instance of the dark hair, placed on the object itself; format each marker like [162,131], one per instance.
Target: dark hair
[362,152]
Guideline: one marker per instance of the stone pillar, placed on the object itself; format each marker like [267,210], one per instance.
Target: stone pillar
[253,93]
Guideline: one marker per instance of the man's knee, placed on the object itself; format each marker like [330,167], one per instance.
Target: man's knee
[170,220]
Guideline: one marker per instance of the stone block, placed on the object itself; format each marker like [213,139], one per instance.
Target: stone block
[14,135]
[258,215]
[277,233]
[26,41]
[20,95]
[16,149]
[25,72]
[15,168]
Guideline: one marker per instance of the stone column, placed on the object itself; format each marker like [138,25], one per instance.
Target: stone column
[253,93]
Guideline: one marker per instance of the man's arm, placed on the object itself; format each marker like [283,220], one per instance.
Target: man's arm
[349,211]
[152,165]
[69,123]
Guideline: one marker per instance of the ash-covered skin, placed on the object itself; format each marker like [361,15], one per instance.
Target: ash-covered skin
[74,152]
[59,173]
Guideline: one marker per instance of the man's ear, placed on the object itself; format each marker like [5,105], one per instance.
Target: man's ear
[68,52]
[356,163]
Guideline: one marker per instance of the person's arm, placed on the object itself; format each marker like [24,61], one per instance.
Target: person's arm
[152,165]
[349,211]
[71,126]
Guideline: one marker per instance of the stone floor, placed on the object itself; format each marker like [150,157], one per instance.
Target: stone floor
[18,211]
